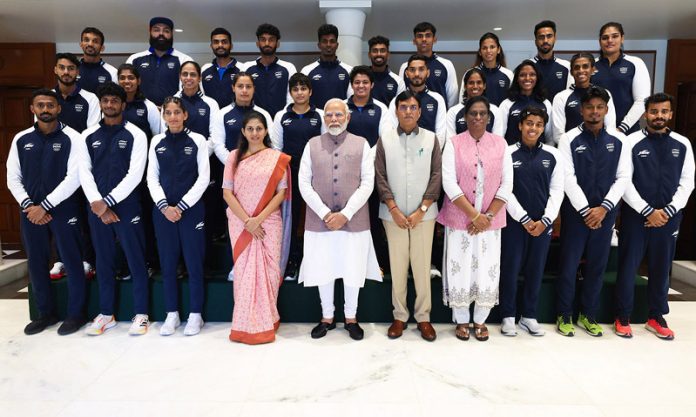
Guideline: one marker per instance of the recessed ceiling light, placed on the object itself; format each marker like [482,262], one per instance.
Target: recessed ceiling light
[178,30]
[497,28]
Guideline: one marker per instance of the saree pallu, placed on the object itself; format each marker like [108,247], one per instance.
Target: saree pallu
[258,263]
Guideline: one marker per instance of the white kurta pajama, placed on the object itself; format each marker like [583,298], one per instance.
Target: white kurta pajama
[471,271]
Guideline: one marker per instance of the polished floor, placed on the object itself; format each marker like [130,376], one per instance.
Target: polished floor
[206,375]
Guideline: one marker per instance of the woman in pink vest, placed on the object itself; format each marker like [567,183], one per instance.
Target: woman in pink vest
[477,179]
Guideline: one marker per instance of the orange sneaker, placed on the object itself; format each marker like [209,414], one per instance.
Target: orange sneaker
[622,327]
[658,325]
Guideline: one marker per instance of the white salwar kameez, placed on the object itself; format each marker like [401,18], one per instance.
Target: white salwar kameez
[471,271]
[338,254]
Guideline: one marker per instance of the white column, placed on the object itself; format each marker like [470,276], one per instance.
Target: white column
[349,17]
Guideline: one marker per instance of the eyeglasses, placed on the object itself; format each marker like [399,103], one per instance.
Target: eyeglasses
[404,108]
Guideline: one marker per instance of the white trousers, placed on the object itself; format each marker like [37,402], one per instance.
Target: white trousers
[350,296]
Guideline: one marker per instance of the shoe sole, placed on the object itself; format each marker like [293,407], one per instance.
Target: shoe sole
[659,336]
[104,328]
[623,335]
[568,334]
[508,334]
[528,330]
[590,333]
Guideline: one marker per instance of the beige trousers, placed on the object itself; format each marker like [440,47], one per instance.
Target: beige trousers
[410,247]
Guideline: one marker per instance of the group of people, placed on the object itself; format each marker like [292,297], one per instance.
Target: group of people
[336,172]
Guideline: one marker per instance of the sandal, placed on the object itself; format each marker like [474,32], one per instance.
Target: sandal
[462,332]
[480,332]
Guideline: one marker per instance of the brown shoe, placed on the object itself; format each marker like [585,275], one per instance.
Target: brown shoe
[462,331]
[427,331]
[396,329]
[480,332]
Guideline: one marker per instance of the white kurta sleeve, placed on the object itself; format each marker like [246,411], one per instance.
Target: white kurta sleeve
[367,183]
[449,173]
[505,190]
[451,121]
[304,183]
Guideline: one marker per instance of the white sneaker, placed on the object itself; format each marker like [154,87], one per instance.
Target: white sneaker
[434,272]
[89,270]
[170,324]
[100,324]
[230,276]
[614,238]
[508,327]
[58,271]
[139,326]
[531,326]
[194,324]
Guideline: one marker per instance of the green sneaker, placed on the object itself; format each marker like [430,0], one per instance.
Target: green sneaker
[590,325]
[564,326]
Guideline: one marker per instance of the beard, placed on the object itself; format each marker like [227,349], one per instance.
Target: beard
[267,51]
[67,82]
[337,130]
[221,53]
[161,43]
[657,124]
[47,117]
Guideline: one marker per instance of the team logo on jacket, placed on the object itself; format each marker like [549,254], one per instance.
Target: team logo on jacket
[559,74]
[140,112]
[135,220]
[573,104]
[56,147]
[461,121]
[72,221]
[316,77]
[675,153]
[161,149]
[79,108]
[287,122]
[515,113]
[200,225]
[371,112]
[517,164]
[170,65]
[188,150]
[390,86]
[255,75]
[101,79]
[96,144]
[208,77]
[580,149]
[610,147]
[341,76]
[546,163]
[202,111]
[144,65]
[675,234]
[313,121]
[279,74]
[644,153]
[122,143]
[438,72]
[231,122]
[501,83]
[430,107]
[623,70]
[29,146]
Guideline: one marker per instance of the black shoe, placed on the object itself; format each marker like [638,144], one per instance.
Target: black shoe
[38,325]
[322,328]
[71,325]
[354,330]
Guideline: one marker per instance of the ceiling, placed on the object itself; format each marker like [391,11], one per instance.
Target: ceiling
[126,20]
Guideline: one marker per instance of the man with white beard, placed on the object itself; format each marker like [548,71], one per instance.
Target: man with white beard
[336,178]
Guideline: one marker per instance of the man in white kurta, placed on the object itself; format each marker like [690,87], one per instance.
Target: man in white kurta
[336,178]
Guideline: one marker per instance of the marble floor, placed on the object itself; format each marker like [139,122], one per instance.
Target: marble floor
[206,375]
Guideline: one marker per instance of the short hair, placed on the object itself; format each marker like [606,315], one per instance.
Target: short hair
[581,55]
[111,89]
[221,31]
[268,29]
[424,27]
[242,74]
[300,79]
[195,65]
[327,29]
[69,56]
[93,31]
[336,100]
[658,98]
[539,92]
[376,40]
[534,111]
[416,57]
[478,99]
[405,96]
[545,24]
[364,70]
[595,92]
[44,92]
[500,59]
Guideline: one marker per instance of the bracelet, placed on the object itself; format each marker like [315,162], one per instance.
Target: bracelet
[393,207]
[476,217]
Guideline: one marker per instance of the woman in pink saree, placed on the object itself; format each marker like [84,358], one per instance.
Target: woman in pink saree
[257,191]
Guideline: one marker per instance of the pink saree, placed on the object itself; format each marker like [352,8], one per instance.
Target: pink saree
[257,263]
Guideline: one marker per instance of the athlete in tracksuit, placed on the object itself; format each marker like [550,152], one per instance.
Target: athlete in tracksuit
[42,177]
[330,77]
[112,163]
[537,196]
[663,179]
[473,84]
[271,83]
[598,167]
[177,176]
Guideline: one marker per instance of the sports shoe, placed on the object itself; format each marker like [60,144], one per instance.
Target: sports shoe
[531,326]
[230,276]
[658,325]
[139,326]
[100,324]
[193,324]
[622,327]
[39,325]
[434,272]
[71,325]
[614,238]
[170,324]
[58,271]
[590,325]
[292,273]
[507,327]
[564,326]
[89,270]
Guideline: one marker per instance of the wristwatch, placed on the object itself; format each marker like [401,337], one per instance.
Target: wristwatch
[489,215]
[423,208]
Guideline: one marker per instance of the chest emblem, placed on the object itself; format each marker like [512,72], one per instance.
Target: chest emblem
[79,108]
[371,112]
[581,149]
[675,153]
[501,83]
[231,122]
[122,143]
[140,112]
[279,74]
[29,146]
[188,150]
[430,107]
[287,122]
[96,144]
[316,77]
[559,75]
[101,79]
[57,147]
[313,121]
[517,164]
[144,65]
[546,163]
[623,70]
[161,149]
[644,153]
[573,104]
[170,65]
[208,77]
[341,76]
[610,147]
[390,86]
[438,72]
[202,111]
